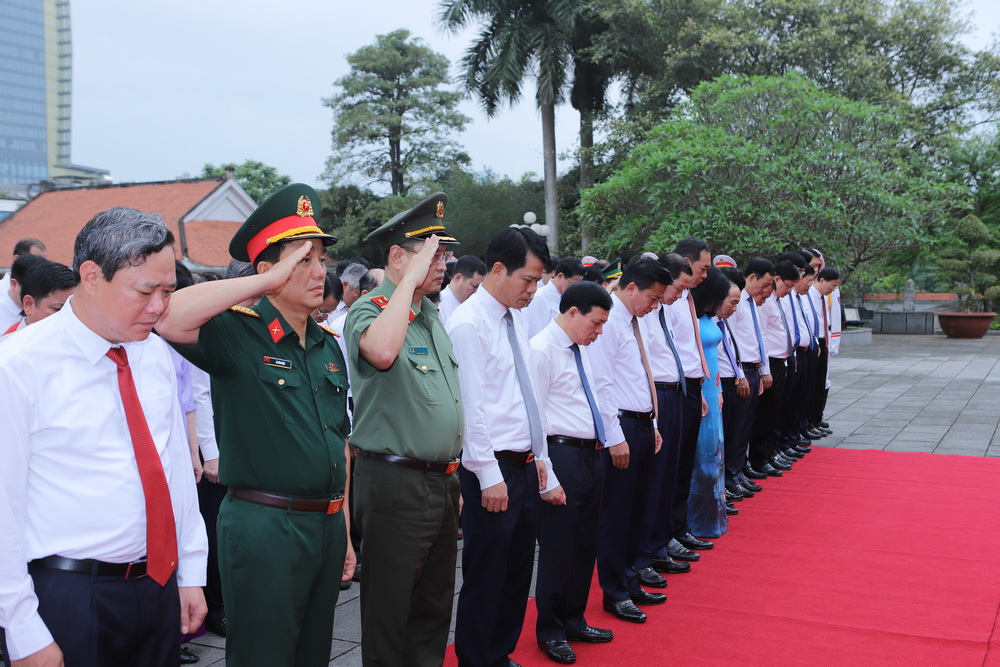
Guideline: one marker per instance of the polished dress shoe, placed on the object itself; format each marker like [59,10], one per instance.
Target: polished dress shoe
[776,462]
[649,577]
[732,495]
[825,425]
[678,551]
[591,635]
[747,493]
[187,657]
[747,484]
[345,585]
[772,471]
[625,611]
[731,511]
[753,474]
[791,453]
[784,460]
[811,435]
[558,650]
[802,449]
[692,542]
[668,566]
[217,625]
[511,663]
[646,598]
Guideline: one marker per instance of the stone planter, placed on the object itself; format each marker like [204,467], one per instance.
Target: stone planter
[965,325]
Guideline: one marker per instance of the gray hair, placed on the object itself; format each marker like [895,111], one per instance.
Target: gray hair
[238,269]
[354,275]
[120,237]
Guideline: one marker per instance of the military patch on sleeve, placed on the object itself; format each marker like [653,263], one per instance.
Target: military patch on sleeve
[245,311]
[329,330]
[380,301]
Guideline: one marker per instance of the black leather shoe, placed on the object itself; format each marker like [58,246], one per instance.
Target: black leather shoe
[646,598]
[747,493]
[591,635]
[732,495]
[791,453]
[822,429]
[344,585]
[218,626]
[747,484]
[779,465]
[187,657]
[772,471]
[783,460]
[678,551]
[825,425]
[669,566]
[731,511]
[811,435]
[802,449]
[558,650]
[753,474]
[625,611]
[511,663]
[692,542]
[649,577]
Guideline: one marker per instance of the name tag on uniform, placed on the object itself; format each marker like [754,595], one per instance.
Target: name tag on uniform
[278,363]
[419,350]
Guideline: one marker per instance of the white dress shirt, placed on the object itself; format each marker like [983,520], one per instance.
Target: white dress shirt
[819,303]
[786,305]
[661,359]
[775,337]
[204,413]
[449,302]
[10,312]
[836,326]
[496,418]
[543,307]
[742,324]
[685,336]
[804,313]
[726,369]
[620,382]
[67,464]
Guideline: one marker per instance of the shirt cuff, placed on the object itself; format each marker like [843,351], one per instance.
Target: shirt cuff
[209,450]
[192,571]
[27,637]
[551,481]
[489,476]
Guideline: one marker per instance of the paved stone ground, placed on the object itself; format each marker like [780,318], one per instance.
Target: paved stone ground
[902,393]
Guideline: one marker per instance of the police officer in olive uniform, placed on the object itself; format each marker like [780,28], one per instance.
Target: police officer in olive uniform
[408,429]
[279,385]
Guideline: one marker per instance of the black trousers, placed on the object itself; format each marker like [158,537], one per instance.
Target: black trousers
[567,543]
[818,402]
[736,424]
[791,400]
[210,497]
[625,494]
[658,519]
[764,433]
[109,621]
[690,423]
[808,393]
[497,562]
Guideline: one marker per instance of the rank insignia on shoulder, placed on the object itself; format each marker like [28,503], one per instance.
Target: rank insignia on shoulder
[329,331]
[245,311]
[380,301]
[418,349]
[276,330]
[278,363]
[332,367]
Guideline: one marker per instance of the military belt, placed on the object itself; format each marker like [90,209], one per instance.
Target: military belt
[331,506]
[447,467]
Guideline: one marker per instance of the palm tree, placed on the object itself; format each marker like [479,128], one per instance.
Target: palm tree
[518,37]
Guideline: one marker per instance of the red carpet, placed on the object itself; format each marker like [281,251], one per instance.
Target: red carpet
[856,557]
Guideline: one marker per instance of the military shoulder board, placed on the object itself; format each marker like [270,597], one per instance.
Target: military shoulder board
[245,311]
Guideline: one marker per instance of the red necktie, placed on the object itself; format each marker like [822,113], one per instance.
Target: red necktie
[161,535]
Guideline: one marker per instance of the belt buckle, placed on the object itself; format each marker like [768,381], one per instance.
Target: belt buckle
[451,467]
[335,504]
[530,457]
[599,445]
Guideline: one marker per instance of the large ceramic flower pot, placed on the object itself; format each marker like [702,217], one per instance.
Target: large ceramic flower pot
[965,325]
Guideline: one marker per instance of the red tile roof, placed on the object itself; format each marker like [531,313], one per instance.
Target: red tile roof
[208,241]
[56,217]
[919,296]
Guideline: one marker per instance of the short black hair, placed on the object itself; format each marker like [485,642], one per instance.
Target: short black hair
[691,247]
[808,270]
[676,265]
[644,272]
[592,274]
[795,258]
[24,246]
[828,273]
[333,286]
[21,265]
[712,291]
[468,266]
[270,254]
[735,276]
[239,269]
[511,246]
[570,267]
[806,255]
[759,266]
[45,277]
[585,295]
[786,270]
[183,273]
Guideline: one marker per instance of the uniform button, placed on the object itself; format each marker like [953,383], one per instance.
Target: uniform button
[316,389]
[334,466]
[281,382]
[326,428]
[423,368]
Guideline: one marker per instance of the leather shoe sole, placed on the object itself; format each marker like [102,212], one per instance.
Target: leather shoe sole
[625,611]
[558,650]
[647,598]
[591,635]
[649,577]
[668,566]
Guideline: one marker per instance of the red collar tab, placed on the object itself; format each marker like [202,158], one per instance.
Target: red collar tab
[275,329]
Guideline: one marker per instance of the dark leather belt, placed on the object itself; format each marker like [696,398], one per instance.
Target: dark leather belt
[776,361]
[751,367]
[415,464]
[514,457]
[133,570]
[632,414]
[331,506]
[668,386]
[728,380]
[582,443]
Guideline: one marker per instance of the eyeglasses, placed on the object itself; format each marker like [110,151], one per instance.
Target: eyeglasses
[440,255]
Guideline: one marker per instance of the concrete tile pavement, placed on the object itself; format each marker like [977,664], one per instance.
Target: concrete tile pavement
[902,393]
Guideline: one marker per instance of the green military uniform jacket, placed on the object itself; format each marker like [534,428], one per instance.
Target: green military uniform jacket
[414,408]
[280,408]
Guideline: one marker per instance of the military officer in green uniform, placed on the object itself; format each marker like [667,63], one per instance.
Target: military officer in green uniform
[408,427]
[280,390]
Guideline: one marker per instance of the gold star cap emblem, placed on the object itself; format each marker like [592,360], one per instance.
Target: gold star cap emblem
[304,207]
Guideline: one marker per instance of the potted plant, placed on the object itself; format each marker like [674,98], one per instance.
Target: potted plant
[970,263]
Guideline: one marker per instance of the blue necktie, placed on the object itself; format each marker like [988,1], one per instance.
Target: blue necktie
[673,349]
[815,341]
[729,350]
[756,328]
[527,393]
[812,338]
[788,334]
[795,320]
[598,422]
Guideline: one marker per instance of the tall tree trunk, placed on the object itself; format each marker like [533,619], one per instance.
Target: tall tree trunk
[586,169]
[548,109]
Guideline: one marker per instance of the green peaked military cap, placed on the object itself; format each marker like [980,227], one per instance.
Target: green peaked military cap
[287,215]
[613,270]
[419,222]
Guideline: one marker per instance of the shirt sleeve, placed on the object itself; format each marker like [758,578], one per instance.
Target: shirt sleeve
[602,359]
[477,451]
[204,414]
[361,316]
[541,376]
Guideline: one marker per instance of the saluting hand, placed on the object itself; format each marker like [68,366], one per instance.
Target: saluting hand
[495,497]
[619,455]
[279,274]
[421,262]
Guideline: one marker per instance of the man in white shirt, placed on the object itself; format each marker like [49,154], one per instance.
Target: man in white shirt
[567,535]
[469,272]
[503,458]
[627,397]
[11,307]
[26,246]
[545,304]
[104,556]
[827,280]
[807,371]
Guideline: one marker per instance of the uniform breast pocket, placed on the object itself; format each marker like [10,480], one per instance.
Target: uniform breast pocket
[281,385]
[429,372]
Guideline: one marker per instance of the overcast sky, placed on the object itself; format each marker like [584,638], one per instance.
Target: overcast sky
[162,87]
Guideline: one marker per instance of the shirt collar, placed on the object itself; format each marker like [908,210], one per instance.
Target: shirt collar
[619,309]
[93,345]
[268,313]
[558,334]
[493,307]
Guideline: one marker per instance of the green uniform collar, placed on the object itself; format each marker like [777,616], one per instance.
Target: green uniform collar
[269,313]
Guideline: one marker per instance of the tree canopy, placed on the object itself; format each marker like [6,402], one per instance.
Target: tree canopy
[256,178]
